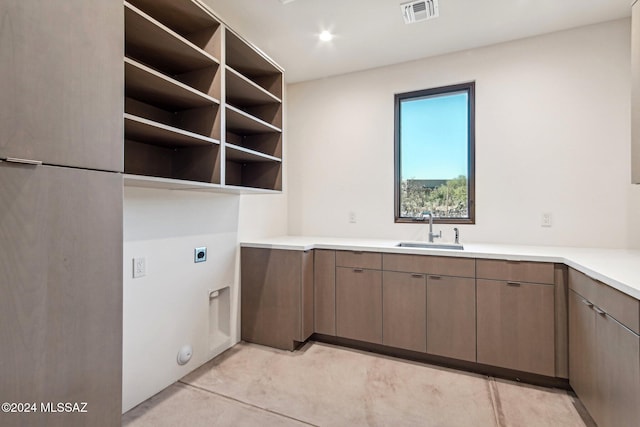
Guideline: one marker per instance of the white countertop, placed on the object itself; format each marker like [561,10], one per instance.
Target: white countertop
[617,268]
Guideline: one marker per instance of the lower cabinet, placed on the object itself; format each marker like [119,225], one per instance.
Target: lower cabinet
[276,297]
[359,304]
[604,354]
[451,317]
[516,326]
[404,307]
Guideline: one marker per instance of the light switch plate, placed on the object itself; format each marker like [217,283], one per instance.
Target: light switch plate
[139,267]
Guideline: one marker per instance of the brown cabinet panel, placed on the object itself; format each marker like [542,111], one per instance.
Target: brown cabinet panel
[61,293]
[516,326]
[618,374]
[519,271]
[582,351]
[451,317]
[624,308]
[306,303]
[356,259]
[275,296]
[325,292]
[404,308]
[359,304]
[66,101]
[446,266]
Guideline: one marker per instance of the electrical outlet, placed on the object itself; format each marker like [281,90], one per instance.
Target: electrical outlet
[352,217]
[200,254]
[546,220]
[139,267]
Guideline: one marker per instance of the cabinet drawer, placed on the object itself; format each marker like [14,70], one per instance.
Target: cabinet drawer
[446,266]
[516,271]
[624,308]
[357,259]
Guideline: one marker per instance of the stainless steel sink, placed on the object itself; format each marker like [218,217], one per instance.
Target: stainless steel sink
[430,245]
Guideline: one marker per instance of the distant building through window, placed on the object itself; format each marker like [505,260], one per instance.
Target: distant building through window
[434,161]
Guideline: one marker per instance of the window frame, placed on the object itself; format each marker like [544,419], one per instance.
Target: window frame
[468,87]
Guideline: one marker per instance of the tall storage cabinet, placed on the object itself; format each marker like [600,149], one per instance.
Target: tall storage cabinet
[61,209]
[203,107]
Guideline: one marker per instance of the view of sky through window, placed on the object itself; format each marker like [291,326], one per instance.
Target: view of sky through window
[434,135]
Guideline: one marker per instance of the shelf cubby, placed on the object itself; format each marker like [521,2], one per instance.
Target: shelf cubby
[152,87]
[189,163]
[202,121]
[154,44]
[256,174]
[249,62]
[188,19]
[269,144]
[151,132]
[243,91]
[243,123]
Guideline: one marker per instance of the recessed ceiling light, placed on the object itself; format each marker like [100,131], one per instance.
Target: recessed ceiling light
[325,36]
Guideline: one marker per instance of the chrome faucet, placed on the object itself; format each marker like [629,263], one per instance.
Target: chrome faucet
[457,236]
[432,235]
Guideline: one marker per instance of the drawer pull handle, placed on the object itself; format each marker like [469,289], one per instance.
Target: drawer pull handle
[435,277]
[23,161]
[587,303]
[513,261]
[358,270]
[513,283]
[417,276]
[599,310]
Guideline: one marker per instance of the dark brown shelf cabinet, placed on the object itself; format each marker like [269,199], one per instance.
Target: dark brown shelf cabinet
[202,105]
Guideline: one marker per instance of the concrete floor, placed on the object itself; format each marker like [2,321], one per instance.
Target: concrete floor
[326,385]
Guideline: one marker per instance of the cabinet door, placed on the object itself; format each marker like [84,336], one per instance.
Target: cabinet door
[618,374]
[325,292]
[582,351]
[61,293]
[270,297]
[451,317]
[61,80]
[516,326]
[404,308]
[359,304]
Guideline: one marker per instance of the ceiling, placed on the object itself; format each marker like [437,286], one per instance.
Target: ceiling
[372,33]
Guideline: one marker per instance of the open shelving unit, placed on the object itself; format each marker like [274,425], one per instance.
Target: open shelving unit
[203,107]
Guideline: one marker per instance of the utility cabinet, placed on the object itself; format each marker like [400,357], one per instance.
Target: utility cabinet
[276,297]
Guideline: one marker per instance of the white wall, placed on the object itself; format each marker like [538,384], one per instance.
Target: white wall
[634,217]
[552,135]
[169,307]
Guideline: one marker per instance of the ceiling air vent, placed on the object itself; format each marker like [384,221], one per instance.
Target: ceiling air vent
[421,10]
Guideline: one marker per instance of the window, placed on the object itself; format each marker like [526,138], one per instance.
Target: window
[434,154]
